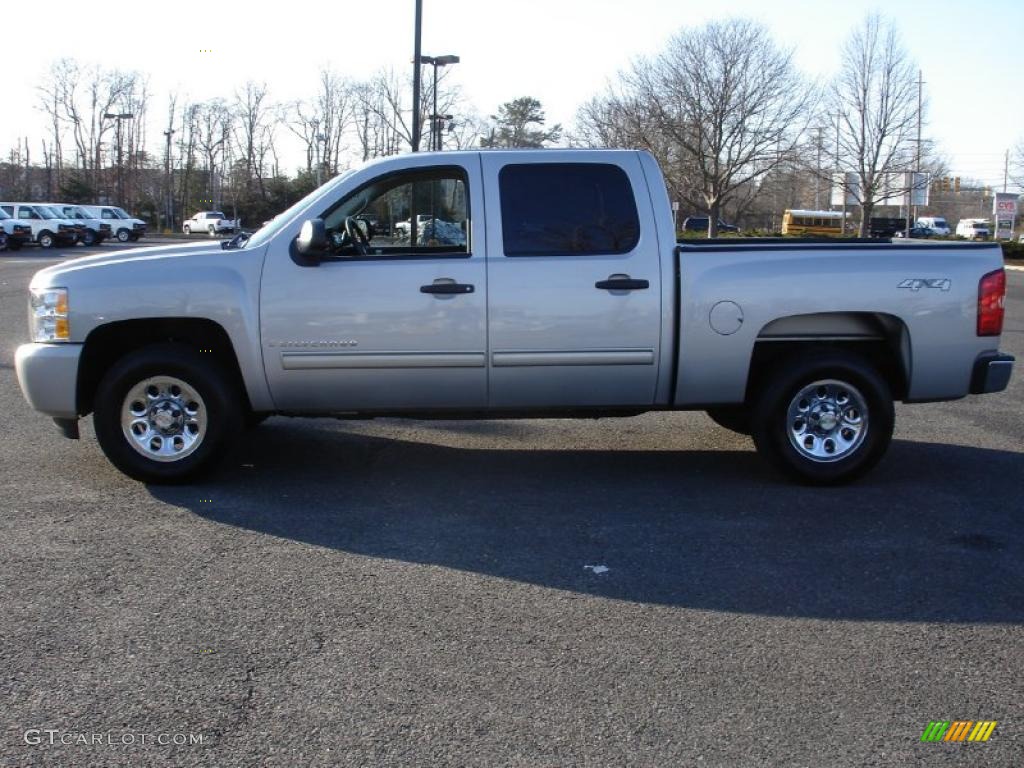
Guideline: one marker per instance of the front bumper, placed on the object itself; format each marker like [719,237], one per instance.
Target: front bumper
[992,372]
[48,375]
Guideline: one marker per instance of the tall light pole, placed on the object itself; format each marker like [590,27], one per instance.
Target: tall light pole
[170,183]
[120,180]
[436,61]
[417,49]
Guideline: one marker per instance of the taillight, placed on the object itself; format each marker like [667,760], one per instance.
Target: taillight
[991,303]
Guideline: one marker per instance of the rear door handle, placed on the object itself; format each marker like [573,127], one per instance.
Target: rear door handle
[622,283]
[447,288]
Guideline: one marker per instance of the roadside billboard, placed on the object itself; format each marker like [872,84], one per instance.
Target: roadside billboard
[1004,211]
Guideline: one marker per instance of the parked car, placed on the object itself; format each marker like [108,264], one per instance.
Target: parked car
[937,224]
[211,223]
[16,231]
[886,226]
[569,297]
[48,229]
[700,224]
[917,232]
[95,230]
[403,229]
[974,229]
[126,228]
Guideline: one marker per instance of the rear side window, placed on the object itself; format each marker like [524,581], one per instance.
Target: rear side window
[567,209]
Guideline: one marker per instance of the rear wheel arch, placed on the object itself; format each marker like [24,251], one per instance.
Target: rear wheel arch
[881,340]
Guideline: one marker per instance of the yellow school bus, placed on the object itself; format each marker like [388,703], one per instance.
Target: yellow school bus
[812,223]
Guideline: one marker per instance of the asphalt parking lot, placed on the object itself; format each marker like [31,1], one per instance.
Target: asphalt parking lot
[401,593]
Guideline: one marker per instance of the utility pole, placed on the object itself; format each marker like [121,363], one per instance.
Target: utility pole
[170,182]
[917,164]
[817,175]
[417,49]
[840,178]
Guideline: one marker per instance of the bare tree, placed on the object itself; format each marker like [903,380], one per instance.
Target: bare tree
[731,101]
[722,107]
[1017,164]
[875,97]
[212,139]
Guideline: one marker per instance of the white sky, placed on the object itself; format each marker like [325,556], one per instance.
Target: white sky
[560,51]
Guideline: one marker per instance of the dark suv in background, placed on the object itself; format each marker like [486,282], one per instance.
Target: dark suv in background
[700,224]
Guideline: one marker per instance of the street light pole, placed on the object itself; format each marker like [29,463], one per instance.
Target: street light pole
[120,179]
[170,183]
[417,49]
[435,119]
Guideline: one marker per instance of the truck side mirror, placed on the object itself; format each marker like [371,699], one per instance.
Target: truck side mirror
[312,239]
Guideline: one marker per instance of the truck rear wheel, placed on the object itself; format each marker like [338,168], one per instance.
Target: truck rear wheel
[164,414]
[825,418]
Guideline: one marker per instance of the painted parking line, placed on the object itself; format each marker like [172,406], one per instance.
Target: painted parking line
[1014,268]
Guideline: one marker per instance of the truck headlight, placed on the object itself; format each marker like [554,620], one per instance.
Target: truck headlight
[48,314]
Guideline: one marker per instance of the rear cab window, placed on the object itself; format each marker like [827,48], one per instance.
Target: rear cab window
[567,209]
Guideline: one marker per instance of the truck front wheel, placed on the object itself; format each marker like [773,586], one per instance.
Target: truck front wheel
[825,418]
[123,235]
[165,414]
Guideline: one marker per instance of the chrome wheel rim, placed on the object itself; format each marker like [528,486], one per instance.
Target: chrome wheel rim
[163,418]
[827,421]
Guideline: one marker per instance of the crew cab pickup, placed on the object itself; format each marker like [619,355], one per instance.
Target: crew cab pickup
[210,222]
[567,296]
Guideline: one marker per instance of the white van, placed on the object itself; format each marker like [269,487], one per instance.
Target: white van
[48,227]
[974,229]
[123,226]
[936,224]
[96,231]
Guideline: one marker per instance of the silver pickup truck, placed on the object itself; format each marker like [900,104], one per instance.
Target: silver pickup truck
[540,283]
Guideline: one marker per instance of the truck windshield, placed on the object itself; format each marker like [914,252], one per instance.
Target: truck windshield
[47,213]
[120,213]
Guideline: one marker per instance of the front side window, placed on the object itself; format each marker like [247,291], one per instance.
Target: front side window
[108,214]
[25,212]
[421,212]
[567,209]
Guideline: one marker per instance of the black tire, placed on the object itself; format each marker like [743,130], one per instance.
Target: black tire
[212,231]
[771,426]
[45,239]
[188,230]
[89,238]
[123,235]
[735,418]
[222,409]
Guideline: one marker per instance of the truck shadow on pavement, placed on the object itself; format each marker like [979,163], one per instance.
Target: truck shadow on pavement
[932,535]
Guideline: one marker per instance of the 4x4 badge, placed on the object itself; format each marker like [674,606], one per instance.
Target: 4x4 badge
[916,284]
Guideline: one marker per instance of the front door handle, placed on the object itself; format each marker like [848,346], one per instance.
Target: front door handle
[622,283]
[447,288]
